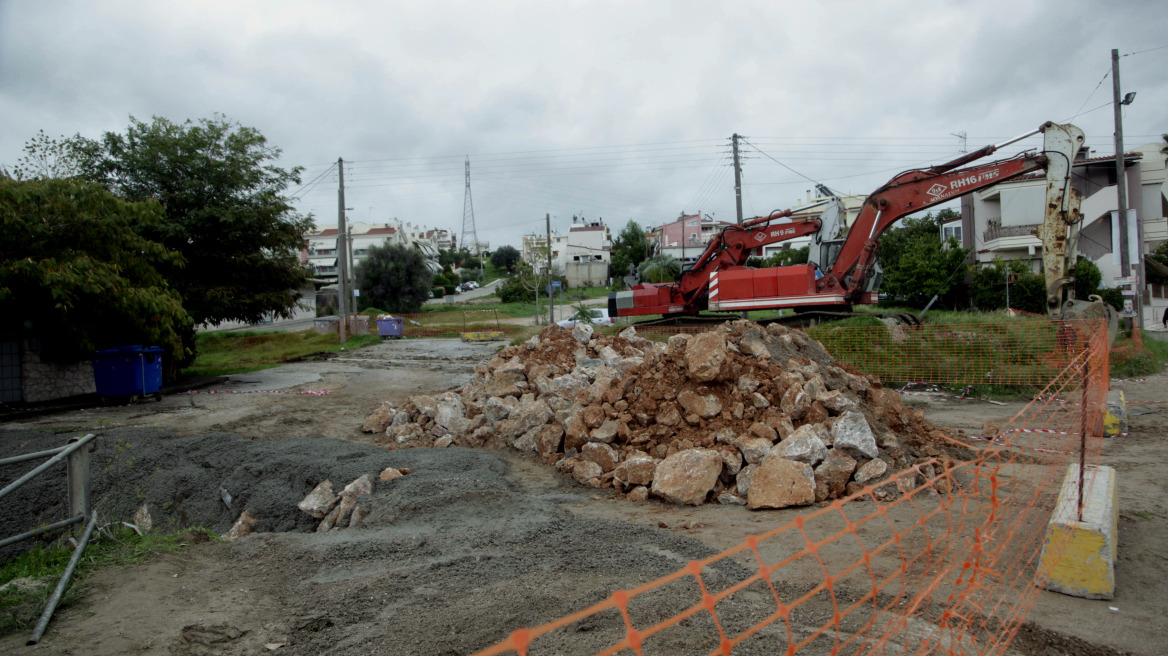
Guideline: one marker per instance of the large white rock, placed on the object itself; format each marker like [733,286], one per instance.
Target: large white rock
[802,446]
[320,500]
[582,332]
[851,433]
[687,476]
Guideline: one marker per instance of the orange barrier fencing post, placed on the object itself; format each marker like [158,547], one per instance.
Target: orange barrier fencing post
[939,558]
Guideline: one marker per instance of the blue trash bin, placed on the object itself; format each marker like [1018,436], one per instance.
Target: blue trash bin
[128,371]
[389,327]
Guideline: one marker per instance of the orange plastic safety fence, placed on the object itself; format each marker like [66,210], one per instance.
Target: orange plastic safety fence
[1021,352]
[1128,350]
[939,558]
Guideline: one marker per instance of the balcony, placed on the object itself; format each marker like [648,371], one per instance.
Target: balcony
[995,230]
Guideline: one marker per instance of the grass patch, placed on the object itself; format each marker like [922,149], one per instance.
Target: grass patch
[37,571]
[224,353]
[1143,362]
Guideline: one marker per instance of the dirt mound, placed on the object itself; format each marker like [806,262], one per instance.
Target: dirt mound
[742,414]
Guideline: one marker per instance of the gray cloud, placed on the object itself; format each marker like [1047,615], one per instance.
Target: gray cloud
[615,109]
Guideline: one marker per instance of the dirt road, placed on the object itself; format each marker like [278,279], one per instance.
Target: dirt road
[468,547]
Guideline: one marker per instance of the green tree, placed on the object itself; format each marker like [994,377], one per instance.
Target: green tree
[785,257]
[74,267]
[660,268]
[505,257]
[45,157]
[226,208]
[394,278]
[448,258]
[1026,290]
[629,249]
[917,264]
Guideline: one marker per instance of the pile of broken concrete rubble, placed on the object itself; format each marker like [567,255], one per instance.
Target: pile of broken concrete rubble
[745,414]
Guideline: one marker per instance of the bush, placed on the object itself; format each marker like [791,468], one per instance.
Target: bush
[394,278]
[1027,289]
[439,292]
[449,289]
[513,291]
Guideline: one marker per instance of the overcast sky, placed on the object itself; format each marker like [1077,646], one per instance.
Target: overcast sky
[620,110]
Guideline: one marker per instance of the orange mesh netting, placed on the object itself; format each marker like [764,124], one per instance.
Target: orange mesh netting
[939,558]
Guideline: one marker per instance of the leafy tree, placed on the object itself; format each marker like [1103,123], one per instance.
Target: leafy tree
[629,249]
[1160,255]
[917,264]
[514,291]
[661,268]
[45,157]
[394,278]
[785,257]
[72,264]
[505,257]
[226,212]
[1087,278]
[447,258]
[1027,289]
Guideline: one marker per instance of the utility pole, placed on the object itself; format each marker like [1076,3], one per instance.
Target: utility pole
[1127,268]
[737,195]
[342,250]
[737,181]
[547,217]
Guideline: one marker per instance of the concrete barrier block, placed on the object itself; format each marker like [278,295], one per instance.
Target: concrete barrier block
[1078,557]
[1115,414]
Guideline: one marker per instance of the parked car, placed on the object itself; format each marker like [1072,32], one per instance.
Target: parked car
[472,284]
[599,317]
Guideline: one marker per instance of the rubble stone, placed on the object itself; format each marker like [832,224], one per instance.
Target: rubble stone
[686,477]
[582,332]
[495,410]
[379,419]
[360,487]
[795,402]
[320,500]
[870,471]
[587,472]
[242,527]
[637,469]
[706,406]
[781,483]
[388,474]
[639,493]
[601,454]
[852,433]
[606,432]
[742,481]
[833,474]
[705,356]
[836,402]
[754,449]
[802,446]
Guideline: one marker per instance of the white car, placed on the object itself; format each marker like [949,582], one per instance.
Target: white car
[599,317]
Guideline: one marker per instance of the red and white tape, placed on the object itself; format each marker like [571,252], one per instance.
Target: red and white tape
[305,392]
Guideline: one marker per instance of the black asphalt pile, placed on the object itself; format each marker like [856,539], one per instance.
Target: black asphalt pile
[186,481]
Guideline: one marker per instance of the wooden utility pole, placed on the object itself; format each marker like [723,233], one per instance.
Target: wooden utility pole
[342,250]
[737,181]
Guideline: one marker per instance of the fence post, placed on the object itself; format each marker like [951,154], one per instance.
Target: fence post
[77,471]
[1083,428]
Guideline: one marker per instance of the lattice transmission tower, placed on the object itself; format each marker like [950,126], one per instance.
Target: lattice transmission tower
[468,221]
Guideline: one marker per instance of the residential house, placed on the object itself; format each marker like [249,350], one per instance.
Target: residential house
[582,256]
[1001,221]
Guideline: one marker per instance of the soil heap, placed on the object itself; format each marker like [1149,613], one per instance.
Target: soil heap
[744,414]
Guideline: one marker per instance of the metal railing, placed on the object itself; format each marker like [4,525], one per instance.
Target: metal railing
[75,454]
[995,230]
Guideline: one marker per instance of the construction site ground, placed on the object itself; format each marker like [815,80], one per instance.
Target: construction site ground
[479,542]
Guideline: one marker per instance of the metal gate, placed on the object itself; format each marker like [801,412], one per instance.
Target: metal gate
[10,388]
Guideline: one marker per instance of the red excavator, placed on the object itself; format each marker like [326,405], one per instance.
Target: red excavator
[720,281]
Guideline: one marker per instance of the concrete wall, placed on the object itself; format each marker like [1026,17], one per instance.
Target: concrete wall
[586,274]
[46,381]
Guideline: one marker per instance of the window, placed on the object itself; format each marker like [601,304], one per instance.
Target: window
[953,231]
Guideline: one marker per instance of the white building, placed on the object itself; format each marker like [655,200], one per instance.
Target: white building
[1001,221]
[321,249]
[582,256]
